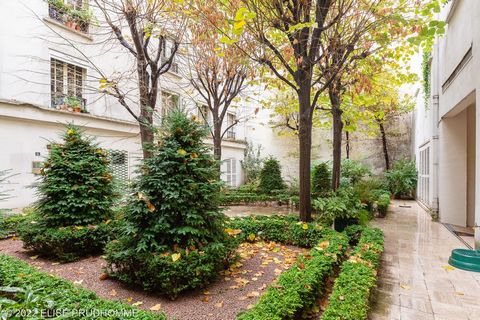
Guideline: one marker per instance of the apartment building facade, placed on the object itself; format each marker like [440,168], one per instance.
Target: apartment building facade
[50,76]
[446,134]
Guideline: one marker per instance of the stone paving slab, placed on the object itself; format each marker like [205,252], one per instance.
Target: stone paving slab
[415,281]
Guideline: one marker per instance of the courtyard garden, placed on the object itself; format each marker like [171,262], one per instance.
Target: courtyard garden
[176,241]
[165,250]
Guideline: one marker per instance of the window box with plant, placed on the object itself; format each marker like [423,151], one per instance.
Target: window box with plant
[72,104]
[73,14]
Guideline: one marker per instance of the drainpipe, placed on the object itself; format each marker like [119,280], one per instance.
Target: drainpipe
[435,102]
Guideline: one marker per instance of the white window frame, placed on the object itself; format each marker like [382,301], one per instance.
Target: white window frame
[203,113]
[231,172]
[231,118]
[166,109]
[423,191]
[66,90]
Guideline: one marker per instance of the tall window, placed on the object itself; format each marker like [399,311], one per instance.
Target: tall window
[67,81]
[231,172]
[169,101]
[203,114]
[231,120]
[167,50]
[424,175]
[76,4]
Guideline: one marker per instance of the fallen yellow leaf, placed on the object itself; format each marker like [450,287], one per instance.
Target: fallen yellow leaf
[448,268]
[176,256]
[138,303]
[156,307]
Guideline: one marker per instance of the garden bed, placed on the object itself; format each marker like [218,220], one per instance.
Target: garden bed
[230,294]
[270,281]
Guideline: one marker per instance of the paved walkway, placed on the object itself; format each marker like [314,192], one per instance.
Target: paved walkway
[415,281]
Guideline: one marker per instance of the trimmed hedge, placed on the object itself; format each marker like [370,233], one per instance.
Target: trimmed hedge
[61,295]
[285,229]
[246,198]
[352,289]
[67,243]
[9,224]
[298,287]
[170,272]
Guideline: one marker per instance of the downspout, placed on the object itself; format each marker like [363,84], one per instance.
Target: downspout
[435,102]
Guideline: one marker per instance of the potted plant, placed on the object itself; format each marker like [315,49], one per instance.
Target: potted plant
[341,208]
[73,104]
[82,17]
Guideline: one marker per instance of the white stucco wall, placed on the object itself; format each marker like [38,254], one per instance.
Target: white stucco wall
[28,40]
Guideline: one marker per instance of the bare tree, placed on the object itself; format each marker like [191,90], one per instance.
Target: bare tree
[150,31]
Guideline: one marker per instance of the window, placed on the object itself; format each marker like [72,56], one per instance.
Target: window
[119,164]
[231,173]
[169,101]
[167,50]
[424,175]
[67,86]
[203,114]
[231,121]
[76,4]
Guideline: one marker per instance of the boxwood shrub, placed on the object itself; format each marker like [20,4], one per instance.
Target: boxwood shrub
[352,289]
[170,272]
[67,243]
[9,225]
[23,287]
[298,288]
[285,229]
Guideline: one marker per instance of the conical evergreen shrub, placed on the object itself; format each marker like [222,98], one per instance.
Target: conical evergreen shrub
[174,237]
[321,180]
[75,198]
[76,184]
[271,176]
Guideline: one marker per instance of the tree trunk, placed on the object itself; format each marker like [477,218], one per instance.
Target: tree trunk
[347,144]
[337,139]
[305,146]
[146,127]
[384,144]
[146,139]
[217,143]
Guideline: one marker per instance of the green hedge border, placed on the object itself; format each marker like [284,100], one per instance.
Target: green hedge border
[353,287]
[286,229]
[16,273]
[298,287]
[252,198]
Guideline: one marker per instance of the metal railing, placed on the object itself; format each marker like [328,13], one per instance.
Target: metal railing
[67,20]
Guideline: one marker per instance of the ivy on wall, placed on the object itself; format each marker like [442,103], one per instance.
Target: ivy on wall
[426,72]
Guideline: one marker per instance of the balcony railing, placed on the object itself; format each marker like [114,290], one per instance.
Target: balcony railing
[67,19]
[72,104]
[231,135]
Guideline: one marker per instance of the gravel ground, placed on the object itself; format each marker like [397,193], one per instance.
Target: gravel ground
[235,290]
[245,211]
